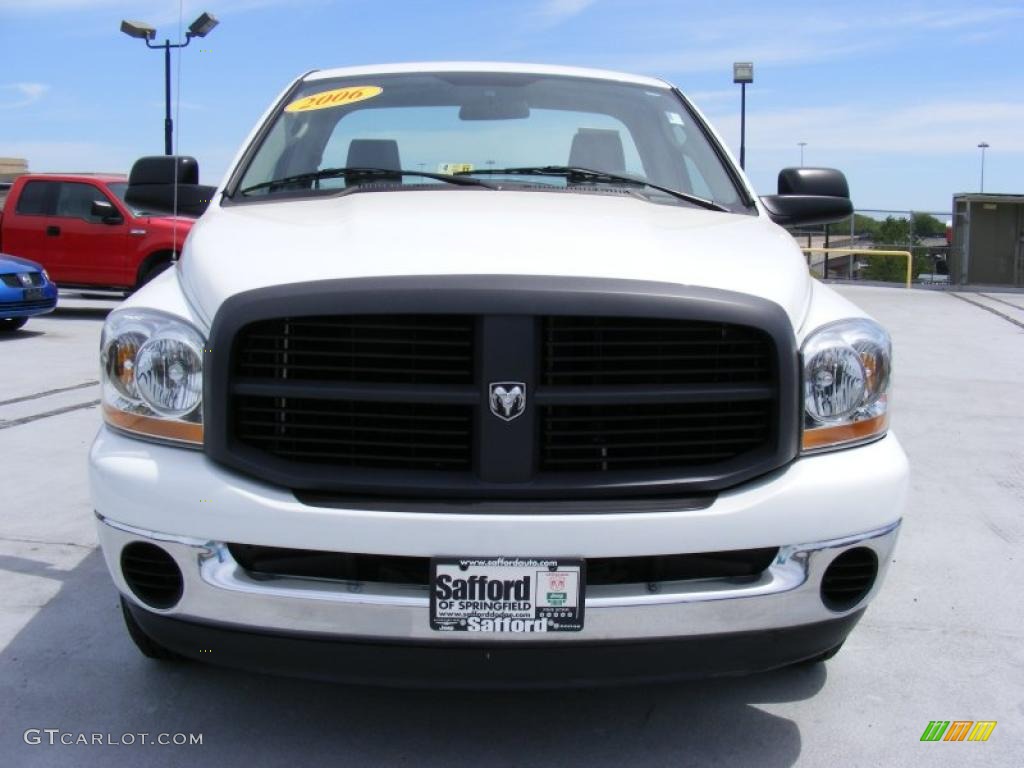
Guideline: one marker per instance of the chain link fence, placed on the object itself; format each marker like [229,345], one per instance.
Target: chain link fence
[925,234]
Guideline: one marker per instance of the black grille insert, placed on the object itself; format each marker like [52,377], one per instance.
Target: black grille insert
[595,351]
[401,349]
[414,571]
[357,434]
[605,438]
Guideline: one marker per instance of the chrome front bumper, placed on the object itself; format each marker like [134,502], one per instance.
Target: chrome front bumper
[217,590]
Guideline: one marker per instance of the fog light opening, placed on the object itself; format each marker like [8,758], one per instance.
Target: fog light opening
[849,578]
[152,575]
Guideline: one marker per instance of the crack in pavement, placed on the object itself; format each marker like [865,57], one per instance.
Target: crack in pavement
[987,308]
[19,540]
[49,392]
[47,414]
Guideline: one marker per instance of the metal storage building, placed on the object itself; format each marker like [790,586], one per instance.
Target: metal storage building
[988,239]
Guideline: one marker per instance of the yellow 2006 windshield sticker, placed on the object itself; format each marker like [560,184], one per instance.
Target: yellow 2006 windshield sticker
[339,97]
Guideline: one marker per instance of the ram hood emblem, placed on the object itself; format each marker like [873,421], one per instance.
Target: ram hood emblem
[508,399]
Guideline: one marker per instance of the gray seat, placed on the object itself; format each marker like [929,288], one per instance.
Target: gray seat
[598,149]
[374,153]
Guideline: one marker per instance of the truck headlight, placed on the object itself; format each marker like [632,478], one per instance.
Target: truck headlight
[151,369]
[845,384]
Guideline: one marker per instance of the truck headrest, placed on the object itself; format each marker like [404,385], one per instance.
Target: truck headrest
[598,149]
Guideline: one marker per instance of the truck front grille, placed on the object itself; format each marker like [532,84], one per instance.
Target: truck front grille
[671,394]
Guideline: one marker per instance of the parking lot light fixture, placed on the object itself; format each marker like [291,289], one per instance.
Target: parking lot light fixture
[201,27]
[743,73]
[138,29]
[802,144]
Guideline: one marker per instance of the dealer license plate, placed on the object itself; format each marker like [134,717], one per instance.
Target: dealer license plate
[506,595]
[33,294]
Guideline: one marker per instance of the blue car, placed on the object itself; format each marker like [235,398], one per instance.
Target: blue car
[25,290]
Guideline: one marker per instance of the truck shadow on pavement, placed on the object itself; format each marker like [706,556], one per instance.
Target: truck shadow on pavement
[21,333]
[73,667]
[82,313]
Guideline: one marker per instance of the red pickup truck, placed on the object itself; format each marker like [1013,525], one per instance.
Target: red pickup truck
[79,227]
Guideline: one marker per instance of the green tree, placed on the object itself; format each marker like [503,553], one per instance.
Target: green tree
[889,269]
[862,225]
[926,225]
[893,231]
[893,269]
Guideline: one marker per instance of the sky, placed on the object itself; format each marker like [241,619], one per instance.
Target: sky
[896,94]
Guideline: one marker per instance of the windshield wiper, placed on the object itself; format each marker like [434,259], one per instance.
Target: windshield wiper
[587,174]
[347,173]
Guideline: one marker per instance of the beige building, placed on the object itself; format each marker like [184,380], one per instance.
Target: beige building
[12,167]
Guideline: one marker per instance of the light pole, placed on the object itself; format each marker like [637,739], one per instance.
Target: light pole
[983,146]
[201,27]
[802,144]
[743,73]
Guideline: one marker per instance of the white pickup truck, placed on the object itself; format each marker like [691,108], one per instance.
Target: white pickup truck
[491,374]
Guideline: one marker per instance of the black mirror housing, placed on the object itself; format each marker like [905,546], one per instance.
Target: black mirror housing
[826,182]
[106,212]
[168,184]
[809,196]
[164,169]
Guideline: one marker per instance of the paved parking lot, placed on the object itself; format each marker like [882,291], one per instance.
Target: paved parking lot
[943,640]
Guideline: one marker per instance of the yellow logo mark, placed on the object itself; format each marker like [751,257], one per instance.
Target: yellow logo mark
[982,730]
[336,98]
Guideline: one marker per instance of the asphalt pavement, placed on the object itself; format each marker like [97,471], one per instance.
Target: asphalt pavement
[943,641]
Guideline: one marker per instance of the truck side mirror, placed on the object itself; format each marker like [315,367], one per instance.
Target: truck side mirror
[809,196]
[105,211]
[168,184]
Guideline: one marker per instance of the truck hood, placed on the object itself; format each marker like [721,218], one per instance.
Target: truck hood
[468,231]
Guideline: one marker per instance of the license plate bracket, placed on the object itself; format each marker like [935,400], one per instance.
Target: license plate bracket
[33,294]
[507,595]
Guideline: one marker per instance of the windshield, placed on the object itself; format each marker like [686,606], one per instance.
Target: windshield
[479,125]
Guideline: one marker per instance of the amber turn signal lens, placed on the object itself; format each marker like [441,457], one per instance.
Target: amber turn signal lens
[178,431]
[856,432]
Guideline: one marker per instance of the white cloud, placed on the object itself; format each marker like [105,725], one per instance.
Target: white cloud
[951,19]
[556,11]
[13,95]
[949,126]
[711,43]
[70,156]
[154,12]
[56,5]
